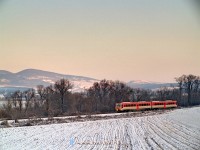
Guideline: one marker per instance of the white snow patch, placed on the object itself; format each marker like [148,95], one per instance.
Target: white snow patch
[1,96]
[4,80]
[37,77]
[178,129]
[48,81]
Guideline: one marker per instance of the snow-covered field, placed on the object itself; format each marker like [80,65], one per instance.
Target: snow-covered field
[178,129]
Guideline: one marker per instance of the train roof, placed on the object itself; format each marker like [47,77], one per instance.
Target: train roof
[137,102]
[150,101]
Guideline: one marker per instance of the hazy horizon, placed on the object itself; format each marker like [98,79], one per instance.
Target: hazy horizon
[115,40]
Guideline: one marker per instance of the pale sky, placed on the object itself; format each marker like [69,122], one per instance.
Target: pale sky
[155,40]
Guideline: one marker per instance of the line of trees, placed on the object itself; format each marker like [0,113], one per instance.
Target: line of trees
[189,87]
[58,99]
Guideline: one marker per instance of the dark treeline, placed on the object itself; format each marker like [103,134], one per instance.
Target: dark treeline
[57,99]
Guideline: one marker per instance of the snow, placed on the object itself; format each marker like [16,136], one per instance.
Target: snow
[1,96]
[81,85]
[48,81]
[178,129]
[37,77]
[4,80]
[144,82]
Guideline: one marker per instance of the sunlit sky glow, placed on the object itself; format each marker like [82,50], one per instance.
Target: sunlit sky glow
[114,39]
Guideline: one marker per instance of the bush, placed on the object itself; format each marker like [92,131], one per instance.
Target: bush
[4,114]
[28,124]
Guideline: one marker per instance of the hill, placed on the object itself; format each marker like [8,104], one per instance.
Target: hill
[30,78]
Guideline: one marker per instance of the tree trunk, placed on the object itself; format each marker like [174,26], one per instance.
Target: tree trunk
[62,104]
[189,93]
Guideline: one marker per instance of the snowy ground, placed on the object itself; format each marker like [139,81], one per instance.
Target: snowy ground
[178,129]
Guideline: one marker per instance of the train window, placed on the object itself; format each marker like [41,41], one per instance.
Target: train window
[170,103]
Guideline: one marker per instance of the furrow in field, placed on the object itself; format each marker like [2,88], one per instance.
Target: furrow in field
[168,137]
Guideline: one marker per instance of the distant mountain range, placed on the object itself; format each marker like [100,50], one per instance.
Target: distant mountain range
[149,85]
[30,78]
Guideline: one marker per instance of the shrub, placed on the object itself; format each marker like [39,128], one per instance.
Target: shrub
[4,114]
[28,124]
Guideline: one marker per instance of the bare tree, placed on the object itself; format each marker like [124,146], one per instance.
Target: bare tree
[41,90]
[62,87]
[106,93]
[180,81]
[48,92]
[14,97]
[29,95]
[190,83]
[17,99]
[141,94]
